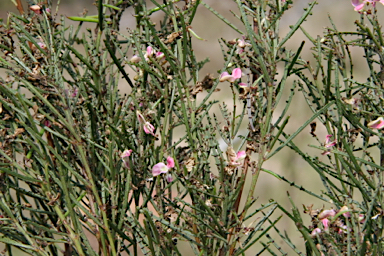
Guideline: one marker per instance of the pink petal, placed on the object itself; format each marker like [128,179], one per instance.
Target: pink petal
[236,73]
[358,6]
[241,43]
[326,213]
[345,211]
[225,77]
[159,55]
[315,232]
[126,154]
[169,178]
[75,92]
[135,59]
[170,162]
[241,155]
[159,169]
[377,124]
[149,51]
[325,223]
[148,128]
[36,9]
[125,157]
[328,138]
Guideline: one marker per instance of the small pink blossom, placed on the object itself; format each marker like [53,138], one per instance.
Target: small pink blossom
[236,74]
[326,214]
[159,55]
[241,43]
[168,177]
[159,169]
[42,45]
[241,155]
[147,126]
[150,51]
[377,124]
[126,154]
[345,211]
[75,92]
[36,9]
[170,162]
[125,157]
[235,158]
[328,142]
[315,232]
[147,55]
[325,223]
[342,229]
[135,59]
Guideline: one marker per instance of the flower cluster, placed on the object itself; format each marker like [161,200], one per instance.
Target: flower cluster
[331,224]
[331,220]
[147,55]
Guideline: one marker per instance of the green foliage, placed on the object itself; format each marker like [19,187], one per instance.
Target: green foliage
[70,187]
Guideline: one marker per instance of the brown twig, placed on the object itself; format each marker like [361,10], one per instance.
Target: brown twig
[20,7]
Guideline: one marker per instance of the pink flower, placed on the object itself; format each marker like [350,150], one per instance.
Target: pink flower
[36,9]
[159,55]
[236,74]
[345,211]
[169,177]
[125,157]
[328,142]
[126,154]
[147,55]
[343,229]
[241,155]
[170,162]
[315,232]
[147,126]
[377,124]
[325,223]
[150,51]
[359,4]
[135,59]
[159,169]
[235,158]
[326,213]
[42,45]
[75,92]
[164,168]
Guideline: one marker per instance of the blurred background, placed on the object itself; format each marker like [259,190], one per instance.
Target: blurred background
[209,27]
